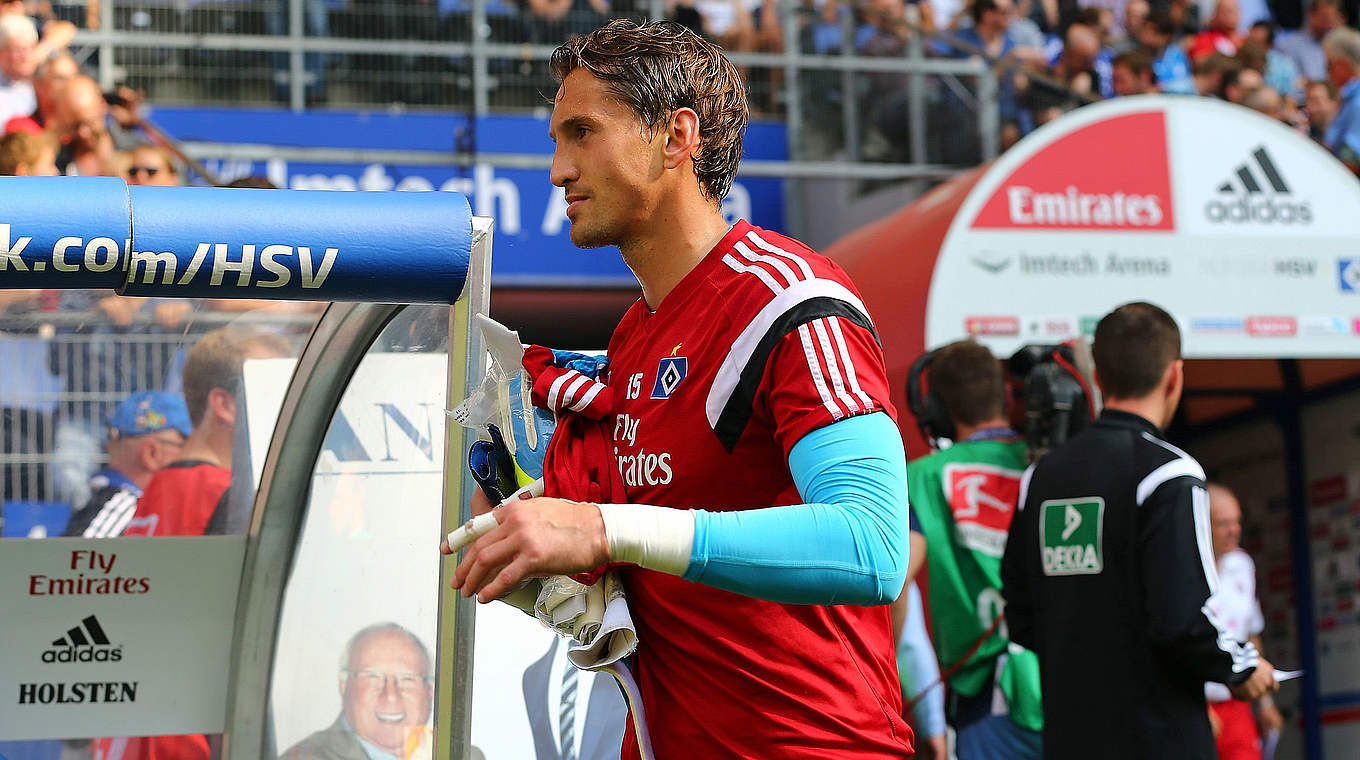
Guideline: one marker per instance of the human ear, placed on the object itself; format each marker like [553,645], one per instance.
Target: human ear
[682,138]
[222,404]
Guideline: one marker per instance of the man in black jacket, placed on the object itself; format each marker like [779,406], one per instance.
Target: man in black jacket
[1110,563]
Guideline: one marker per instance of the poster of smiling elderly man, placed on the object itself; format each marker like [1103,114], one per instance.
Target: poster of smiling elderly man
[386,682]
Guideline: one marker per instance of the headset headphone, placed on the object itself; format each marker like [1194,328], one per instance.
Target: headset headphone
[931,418]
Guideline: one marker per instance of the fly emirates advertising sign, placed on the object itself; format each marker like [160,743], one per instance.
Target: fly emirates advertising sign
[1247,232]
[116,636]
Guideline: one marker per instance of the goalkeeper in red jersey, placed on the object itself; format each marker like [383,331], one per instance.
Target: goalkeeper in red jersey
[765,524]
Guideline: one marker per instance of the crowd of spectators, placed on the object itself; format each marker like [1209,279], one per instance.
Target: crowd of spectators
[92,347]
[1050,56]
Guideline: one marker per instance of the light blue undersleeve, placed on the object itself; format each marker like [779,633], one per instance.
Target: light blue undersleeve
[847,545]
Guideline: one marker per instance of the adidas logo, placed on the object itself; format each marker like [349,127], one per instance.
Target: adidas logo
[1257,192]
[86,642]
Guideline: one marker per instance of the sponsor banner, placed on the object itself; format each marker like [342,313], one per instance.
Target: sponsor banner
[992,325]
[1253,235]
[1061,187]
[532,247]
[117,637]
[1272,327]
[1051,328]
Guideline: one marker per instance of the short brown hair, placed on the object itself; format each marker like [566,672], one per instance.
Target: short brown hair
[1133,346]
[967,380]
[1137,62]
[658,67]
[215,362]
[23,148]
[1325,84]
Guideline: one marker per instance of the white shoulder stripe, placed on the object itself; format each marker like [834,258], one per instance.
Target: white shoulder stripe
[729,372]
[1024,487]
[779,266]
[848,364]
[760,272]
[1176,468]
[815,367]
[798,261]
[1174,450]
[833,370]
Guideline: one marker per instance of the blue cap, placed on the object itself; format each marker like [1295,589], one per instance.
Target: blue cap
[149,412]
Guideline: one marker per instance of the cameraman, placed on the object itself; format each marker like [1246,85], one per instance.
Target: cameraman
[962,501]
[1110,564]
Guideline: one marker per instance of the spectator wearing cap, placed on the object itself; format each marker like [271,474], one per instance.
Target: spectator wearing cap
[146,432]
[1342,46]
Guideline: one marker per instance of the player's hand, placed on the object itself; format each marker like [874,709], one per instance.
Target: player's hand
[1261,683]
[480,505]
[935,748]
[542,536]
[1271,718]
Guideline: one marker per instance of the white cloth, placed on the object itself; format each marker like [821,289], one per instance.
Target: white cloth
[720,15]
[1236,607]
[16,99]
[585,681]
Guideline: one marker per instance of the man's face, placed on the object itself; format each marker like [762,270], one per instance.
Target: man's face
[1339,69]
[1321,107]
[1000,18]
[16,60]
[166,448]
[1225,521]
[148,167]
[1323,19]
[1226,16]
[1259,35]
[610,167]
[1149,37]
[1125,82]
[386,691]
[1135,13]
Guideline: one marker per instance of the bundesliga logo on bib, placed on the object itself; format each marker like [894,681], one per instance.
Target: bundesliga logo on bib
[1070,534]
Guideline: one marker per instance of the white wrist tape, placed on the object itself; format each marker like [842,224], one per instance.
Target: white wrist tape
[657,538]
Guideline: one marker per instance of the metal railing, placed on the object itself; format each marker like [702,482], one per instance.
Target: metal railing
[477,57]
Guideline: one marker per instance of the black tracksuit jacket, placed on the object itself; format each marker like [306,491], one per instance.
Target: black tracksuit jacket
[1106,573]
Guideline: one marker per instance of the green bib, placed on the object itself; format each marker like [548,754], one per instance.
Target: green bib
[964,498]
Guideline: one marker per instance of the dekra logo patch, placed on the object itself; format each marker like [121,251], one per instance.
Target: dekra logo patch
[1071,535]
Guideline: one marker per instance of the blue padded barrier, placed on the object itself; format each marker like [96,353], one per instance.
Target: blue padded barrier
[189,242]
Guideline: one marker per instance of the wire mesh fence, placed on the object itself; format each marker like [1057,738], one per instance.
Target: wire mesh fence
[857,88]
[68,364]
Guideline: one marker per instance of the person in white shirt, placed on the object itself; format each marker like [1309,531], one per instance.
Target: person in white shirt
[18,38]
[1236,606]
